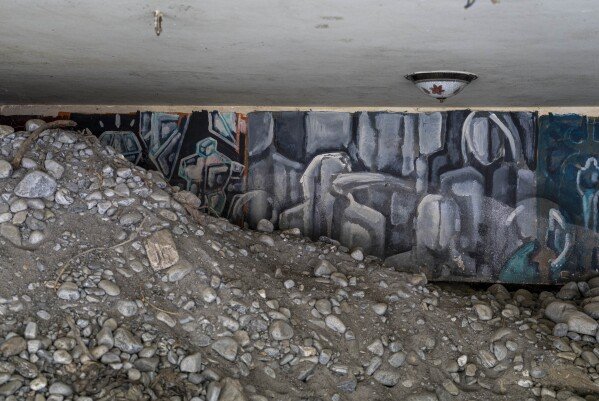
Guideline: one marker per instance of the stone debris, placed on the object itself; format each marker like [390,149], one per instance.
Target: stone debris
[161,250]
[111,290]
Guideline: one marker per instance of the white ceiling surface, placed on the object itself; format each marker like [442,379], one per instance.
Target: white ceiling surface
[297,53]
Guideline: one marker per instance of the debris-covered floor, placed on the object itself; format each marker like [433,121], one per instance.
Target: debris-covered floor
[111,290]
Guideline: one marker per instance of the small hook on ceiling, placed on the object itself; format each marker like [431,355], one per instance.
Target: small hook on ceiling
[158,22]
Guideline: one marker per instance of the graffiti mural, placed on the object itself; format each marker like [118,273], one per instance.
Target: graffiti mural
[453,194]
[202,152]
[460,195]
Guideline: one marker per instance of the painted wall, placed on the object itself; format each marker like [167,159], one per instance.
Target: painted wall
[462,195]
[202,151]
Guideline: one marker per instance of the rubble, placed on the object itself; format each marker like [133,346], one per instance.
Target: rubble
[111,290]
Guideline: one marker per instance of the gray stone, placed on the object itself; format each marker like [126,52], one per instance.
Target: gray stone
[280,330]
[10,387]
[560,330]
[131,218]
[127,342]
[6,130]
[191,363]
[387,377]
[5,169]
[62,357]
[68,291]
[36,185]
[13,346]
[147,364]
[109,287]
[265,226]
[422,397]
[59,388]
[127,308]
[226,347]
[483,311]
[231,390]
[592,309]
[11,233]
[335,324]
[54,168]
[397,359]
[324,268]
[178,271]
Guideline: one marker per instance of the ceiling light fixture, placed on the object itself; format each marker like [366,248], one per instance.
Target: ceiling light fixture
[441,84]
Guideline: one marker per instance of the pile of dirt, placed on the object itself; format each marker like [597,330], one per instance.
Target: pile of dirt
[113,286]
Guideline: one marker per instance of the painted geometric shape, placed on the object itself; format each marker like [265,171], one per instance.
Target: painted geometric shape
[124,142]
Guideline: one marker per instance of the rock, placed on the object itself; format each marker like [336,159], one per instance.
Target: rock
[178,271]
[166,319]
[188,198]
[67,137]
[161,250]
[569,291]
[191,363]
[357,254]
[131,218]
[267,240]
[379,308]
[59,388]
[54,168]
[265,226]
[127,308]
[560,330]
[126,342]
[109,287]
[556,311]
[6,130]
[324,268]
[592,309]
[147,364]
[11,233]
[13,346]
[483,311]
[422,397]
[5,169]
[62,357]
[10,387]
[280,330]
[36,184]
[397,359]
[38,383]
[335,324]
[387,377]
[581,323]
[33,124]
[68,291]
[231,390]
[226,347]
[36,237]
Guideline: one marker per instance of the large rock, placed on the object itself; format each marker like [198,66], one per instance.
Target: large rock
[280,330]
[578,322]
[161,250]
[231,390]
[36,185]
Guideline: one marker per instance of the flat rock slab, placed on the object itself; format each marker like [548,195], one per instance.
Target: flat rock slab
[161,250]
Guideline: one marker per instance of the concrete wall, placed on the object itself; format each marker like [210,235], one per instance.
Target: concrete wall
[506,195]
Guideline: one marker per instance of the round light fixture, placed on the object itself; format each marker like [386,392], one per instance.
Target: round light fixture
[441,84]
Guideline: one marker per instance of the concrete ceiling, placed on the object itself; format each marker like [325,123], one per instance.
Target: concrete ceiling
[297,53]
